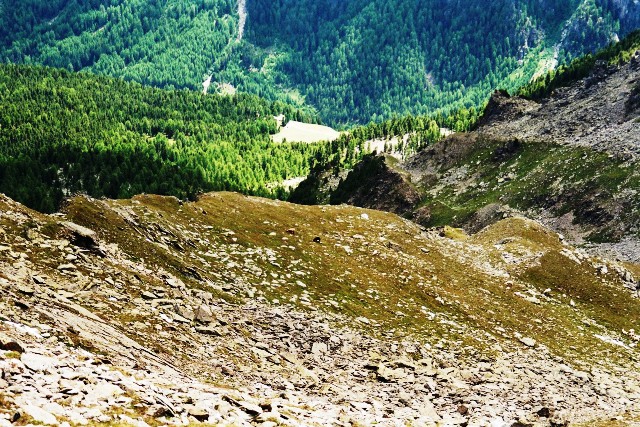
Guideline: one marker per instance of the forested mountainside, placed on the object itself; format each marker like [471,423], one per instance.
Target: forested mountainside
[353,61]
[62,133]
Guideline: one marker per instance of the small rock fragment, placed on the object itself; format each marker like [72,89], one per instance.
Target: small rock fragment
[38,362]
[27,290]
[40,415]
[203,314]
[529,342]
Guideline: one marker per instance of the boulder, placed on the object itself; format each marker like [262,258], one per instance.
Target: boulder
[149,295]
[529,342]
[24,289]
[38,362]
[9,344]
[388,375]
[203,314]
[319,348]
[40,415]
[82,237]
[156,411]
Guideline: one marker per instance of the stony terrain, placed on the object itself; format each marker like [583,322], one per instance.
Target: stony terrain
[570,161]
[244,311]
[600,112]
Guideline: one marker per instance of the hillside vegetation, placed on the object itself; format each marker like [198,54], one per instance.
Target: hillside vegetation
[252,309]
[565,152]
[62,133]
[353,61]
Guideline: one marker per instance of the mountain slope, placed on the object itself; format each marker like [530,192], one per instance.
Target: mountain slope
[63,133]
[569,159]
[238,310]
[353,61]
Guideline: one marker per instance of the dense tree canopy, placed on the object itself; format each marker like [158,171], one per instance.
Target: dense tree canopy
[63,132]
[353,61]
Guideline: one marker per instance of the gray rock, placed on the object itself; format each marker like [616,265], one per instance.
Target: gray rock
[24,289]
[388,375]
[156,411]
[174,282]
[428,412]
[148,295]
[38,362]
[198,413]
[40,415]
[83,237]
[180,319]
[289,357]
[209,330]
[203,314]
[248,407]
[38,280]
[102,391]
[70,387]
[559,419]
[529,342]
[186,312]
[319,348]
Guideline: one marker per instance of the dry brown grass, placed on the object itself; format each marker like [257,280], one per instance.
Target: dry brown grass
[386,269]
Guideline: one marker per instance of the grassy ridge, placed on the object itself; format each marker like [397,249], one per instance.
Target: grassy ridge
[378,266]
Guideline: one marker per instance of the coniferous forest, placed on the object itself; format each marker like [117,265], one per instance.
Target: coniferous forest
[353,62]
[62,133]
[108,100]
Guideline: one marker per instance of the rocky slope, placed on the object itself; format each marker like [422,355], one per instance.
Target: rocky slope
[600,112]
[569,160]
[375,184]
[244,311]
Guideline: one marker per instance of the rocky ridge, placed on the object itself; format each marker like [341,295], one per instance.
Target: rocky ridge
[569,160]
[599,111]
[150,312]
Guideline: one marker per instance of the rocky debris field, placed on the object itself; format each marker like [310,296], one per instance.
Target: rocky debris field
[243,311]
[600,111]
